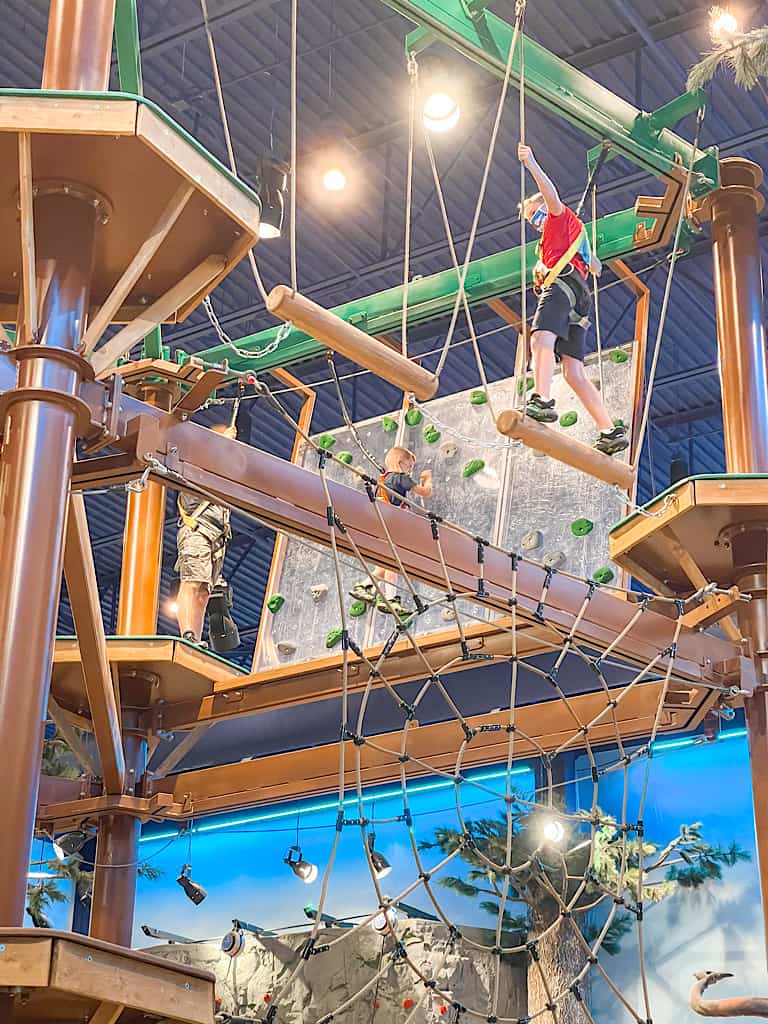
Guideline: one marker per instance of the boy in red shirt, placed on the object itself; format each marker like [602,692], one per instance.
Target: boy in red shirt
[559,327]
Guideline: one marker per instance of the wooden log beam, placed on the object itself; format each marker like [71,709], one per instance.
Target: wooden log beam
[290,498]
[541,438]
[28,273]
[80,574]
[351,342]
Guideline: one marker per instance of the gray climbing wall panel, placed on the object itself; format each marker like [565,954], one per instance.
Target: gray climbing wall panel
[518,500]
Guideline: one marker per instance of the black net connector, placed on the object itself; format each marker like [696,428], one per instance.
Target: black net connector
[469,733]
[322,459]
[404,758]
[596,664]
[595,774]
[425,876]
[482,544]
[491,727]
[551,1007]
[492,1019]
[514,559]
[591,588]
[345,640]
[613,703]
[408,817]
[430,983]
[592,959]
[399,952]
[339,524]
[270,1015]
[639,911]
[330,515]
[468,841]
[533,949]
[565,914]
[680,605]
[576,992]
[354,647]
[358,740]
[511,729]
[465,650]
[408,709]
[421,606]
[453,934]
[392,640]
[670,652]
[340,821]
[307,948]
[481,592]
[370,488]
[619,901]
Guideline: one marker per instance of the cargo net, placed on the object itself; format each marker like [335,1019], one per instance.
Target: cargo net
[536,854]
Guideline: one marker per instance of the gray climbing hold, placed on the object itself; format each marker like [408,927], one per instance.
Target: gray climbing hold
[318,592]
[286,647]
[554,560]
[448,614]
[532,540]
[449,449]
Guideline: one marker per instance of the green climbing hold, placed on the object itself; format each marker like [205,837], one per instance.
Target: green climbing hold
[617,355]
[581,527]
[326,441]
[333,638]
[431,434]
[472,467]
[603,575]
[275,603]
[569,418]
[414,417]
[388,425]
[357,608]
[527,384]
[345,457]
[478,398]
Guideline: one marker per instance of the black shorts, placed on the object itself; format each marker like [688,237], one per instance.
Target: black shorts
[553,313]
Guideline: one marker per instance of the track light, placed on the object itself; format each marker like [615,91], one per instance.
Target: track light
[553,830]
[70,843]
[381,866]
[441,112]
[722,24]
[169,937]
[303,869]
[386,918]
[39,919]
[272,187]
[192,890]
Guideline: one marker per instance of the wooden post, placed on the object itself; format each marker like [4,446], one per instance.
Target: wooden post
[38,428]
[351,342]
[733,210]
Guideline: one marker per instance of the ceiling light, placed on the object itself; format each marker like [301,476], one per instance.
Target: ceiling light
[334,180]
[553,830]
[192,890]
[380,864]
[70,843]
[441,112]
[172,607]
[272,187]
[722,24]
[303,869]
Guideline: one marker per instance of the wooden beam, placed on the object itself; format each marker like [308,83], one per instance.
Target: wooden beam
[28,274]
[105,357]
[315,771]
[180,751]
[697,578]
[107,1013]
[69,814]
[351,342]
[541,438]
[83,592]
[70,736]
[122,289]
[290,498]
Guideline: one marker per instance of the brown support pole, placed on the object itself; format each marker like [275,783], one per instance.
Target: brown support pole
[734,210]
[117,848]
[38,435]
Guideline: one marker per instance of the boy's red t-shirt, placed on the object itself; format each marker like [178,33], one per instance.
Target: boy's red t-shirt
[559,234]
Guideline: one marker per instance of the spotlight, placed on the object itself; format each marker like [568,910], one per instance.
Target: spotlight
[381,866]
[334,180]
[441,112]
[722,24]
[272,187]
[303,869]
[70,843]
[553,830]
[169,937]
[172,607]
[192,890]
[386,918]
[39,919]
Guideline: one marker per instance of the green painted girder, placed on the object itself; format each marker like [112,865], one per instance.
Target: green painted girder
[128,47]
[428,298]
[645,139]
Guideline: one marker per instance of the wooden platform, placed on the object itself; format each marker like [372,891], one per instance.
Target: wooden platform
[52,977]
[688,526]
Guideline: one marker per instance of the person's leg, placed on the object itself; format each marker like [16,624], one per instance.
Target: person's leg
[192,601]
[584,389]
[543,349]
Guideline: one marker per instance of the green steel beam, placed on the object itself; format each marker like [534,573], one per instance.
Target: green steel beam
[428,298]
[645,139]
[128,47]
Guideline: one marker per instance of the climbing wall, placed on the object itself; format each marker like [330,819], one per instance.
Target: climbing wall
[499,490]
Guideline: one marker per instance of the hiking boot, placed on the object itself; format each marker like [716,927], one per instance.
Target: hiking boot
[611,442]
[364,592]
[393,607]
[541,409]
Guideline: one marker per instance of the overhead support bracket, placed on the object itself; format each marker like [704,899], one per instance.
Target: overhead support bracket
[564,90]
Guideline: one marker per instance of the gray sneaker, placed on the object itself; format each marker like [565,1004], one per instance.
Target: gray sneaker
[541,409]
[611,442]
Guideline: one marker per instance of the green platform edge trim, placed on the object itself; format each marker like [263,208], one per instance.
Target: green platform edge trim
[66,94]
[177,639]
[679,486]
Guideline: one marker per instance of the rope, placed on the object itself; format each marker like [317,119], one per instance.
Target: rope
[596,292]
[413,80]
[348,421]
[522,364]
[667,290]
[294,116]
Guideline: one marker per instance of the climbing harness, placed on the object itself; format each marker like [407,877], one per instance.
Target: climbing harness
[387,495]
[192,520]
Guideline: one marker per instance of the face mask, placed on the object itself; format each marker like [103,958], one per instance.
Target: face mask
[538,217]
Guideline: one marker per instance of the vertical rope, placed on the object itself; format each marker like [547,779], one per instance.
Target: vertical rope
[413,79]
[523,342]
[597,293]
[294,174]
